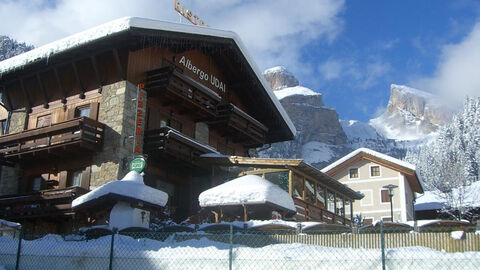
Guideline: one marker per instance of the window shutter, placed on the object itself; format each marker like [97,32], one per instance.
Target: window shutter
[385,197]
[62,183]
[94,110]
[71,114]
[86,178]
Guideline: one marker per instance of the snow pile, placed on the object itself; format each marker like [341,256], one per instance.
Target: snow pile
[457,235]
[358,130]
[296,90]
[248,189]
[130,186]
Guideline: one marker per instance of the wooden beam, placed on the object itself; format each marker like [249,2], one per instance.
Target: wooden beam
[42,89]
[27,97]
[93,61]
[79,82]
[118,63]
[60,86]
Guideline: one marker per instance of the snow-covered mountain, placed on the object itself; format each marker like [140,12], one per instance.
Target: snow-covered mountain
[411,114]
[411,117]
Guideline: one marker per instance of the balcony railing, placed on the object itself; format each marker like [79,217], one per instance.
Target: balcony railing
[239,125]
[169,141]
[174,85]
[41,203]
[310,212]
[80,133]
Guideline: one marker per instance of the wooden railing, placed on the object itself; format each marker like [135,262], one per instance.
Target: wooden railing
[241,124]
[170,141]
[180,86]
[309,212]
[40,203]
[84,131]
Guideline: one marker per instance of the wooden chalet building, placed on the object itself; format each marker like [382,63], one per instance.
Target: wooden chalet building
[81,108]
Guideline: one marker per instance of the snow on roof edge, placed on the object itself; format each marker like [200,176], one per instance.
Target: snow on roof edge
[370,152]
[125,23]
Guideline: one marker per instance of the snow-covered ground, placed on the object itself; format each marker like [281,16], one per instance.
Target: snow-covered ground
[53,252]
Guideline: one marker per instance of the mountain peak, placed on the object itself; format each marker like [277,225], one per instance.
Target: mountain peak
[279,77]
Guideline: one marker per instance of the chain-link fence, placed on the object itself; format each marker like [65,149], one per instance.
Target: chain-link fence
[374,247]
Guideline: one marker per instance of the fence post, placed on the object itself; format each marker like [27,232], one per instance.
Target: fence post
[230,258]
[382,243]
[19,249]
[110,263]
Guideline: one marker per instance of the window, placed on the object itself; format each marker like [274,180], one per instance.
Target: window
[44,120]
[385,196]
[353,172]
[339,210]
[36,183]
[386,219]
[367,221]
[330,201]
[375,171]
[4,126]
[201,132]
[297,186]
[348,209]
[321,196]
[76,178]
[309,192]
[82,111]
[278,178]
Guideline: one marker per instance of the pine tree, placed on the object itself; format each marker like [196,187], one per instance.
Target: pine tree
[449,164]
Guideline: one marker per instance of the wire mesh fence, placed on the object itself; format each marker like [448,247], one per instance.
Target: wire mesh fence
[380,247]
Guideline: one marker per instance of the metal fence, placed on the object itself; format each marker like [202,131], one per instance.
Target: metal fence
[380,248]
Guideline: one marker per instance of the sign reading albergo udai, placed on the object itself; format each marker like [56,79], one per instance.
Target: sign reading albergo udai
[202,75]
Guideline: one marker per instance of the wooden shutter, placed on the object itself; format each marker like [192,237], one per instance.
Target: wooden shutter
[94,106]
[62,181]
[385,197]
[86,178]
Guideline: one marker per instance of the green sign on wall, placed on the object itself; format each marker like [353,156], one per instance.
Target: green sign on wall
[138,165]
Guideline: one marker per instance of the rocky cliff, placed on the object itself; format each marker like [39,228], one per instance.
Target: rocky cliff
[411,117]
[411,114]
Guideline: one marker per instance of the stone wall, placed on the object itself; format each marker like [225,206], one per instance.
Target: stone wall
[117,112]
[10,176]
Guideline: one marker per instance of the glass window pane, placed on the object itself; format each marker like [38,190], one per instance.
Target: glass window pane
[375,171]
[348,209]
[330,201]
[278,178]
[340,210]
[353,172]
[297,186]
[321,196]
[309,192]
[76,178]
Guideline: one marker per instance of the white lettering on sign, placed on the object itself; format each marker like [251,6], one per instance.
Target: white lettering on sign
[188,14]
[202,75]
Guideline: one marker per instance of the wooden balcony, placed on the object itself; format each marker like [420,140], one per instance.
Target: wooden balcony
[310,212]
[239,125]
[44,203]
[177,88]
[169,142]
[72,137]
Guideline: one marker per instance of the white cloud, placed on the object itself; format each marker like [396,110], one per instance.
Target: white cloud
[274,31]
[362,76]
[457,72]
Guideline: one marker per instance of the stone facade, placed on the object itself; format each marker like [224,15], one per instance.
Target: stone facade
[10,176]
[117,112]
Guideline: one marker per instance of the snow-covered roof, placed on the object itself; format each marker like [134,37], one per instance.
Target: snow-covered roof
[248,189]
[131,186]
[372,153]
[123,24]
[6,223]
[433,200]
[296,90]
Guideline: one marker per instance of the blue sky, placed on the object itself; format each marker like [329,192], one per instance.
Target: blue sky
[350,51]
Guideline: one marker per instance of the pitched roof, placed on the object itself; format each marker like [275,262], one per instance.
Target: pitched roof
[390,162]
[118,26]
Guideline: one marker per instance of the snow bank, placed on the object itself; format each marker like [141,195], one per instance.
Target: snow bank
[296,90]
[248,189]
[130,186]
